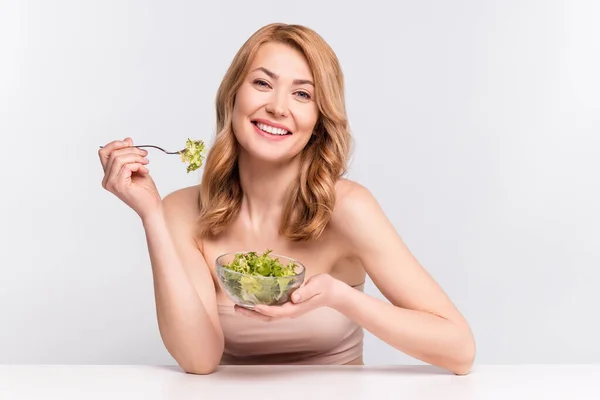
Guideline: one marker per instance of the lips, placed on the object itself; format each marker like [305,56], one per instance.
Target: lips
[272,127]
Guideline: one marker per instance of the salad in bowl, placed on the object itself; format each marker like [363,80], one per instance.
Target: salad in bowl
[250,278]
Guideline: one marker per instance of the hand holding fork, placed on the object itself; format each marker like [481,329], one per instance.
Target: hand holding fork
[126,176]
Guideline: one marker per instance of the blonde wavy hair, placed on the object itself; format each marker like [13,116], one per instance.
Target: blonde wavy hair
[324,159]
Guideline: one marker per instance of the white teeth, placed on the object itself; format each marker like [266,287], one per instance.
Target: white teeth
[270,129]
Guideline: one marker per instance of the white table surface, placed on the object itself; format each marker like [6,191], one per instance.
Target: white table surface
[87,382]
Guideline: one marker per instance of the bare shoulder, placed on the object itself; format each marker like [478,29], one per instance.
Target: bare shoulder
[353,201]
[358,217]
[181,207]
[182,201]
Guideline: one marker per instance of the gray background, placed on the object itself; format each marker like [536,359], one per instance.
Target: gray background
[476,126]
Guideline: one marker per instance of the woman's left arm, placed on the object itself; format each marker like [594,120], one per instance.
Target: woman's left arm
[421,321]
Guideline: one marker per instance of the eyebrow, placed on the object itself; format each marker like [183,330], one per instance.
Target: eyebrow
[273,75]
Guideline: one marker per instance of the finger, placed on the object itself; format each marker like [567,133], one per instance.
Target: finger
[119,182]
[126,172]
[106,150]
[306,292]
[286,310]
[117,165]
[142,169]
[252,314]
[115,154]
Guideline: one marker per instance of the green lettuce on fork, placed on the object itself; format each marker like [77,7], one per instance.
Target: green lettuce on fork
[193,154]
[251,267]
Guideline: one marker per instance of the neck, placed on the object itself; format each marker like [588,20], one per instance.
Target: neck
[266,188]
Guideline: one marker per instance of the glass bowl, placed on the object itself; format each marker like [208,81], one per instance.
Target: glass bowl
[247,290]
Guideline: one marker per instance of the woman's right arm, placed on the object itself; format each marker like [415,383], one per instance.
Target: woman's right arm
[184,291]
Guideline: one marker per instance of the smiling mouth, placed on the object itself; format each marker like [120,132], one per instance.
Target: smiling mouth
[271,130]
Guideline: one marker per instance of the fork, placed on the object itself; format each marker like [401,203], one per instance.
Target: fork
[159,148]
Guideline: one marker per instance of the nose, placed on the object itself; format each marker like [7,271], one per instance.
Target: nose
[277,105]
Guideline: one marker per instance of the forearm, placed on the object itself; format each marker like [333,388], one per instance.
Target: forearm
[427,337]
[185,326]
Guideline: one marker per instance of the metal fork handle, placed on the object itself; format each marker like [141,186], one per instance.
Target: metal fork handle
[156,147]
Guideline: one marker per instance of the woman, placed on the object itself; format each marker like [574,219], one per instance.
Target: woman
[273,180]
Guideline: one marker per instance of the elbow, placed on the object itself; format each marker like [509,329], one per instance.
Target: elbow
[204,364]
[463,364]
[462,369]
[200,368]
[200,363]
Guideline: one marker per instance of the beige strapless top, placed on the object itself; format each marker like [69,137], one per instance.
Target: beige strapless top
[321,336]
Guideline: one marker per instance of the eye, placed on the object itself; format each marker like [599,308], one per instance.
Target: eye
[303,95]
[261,83]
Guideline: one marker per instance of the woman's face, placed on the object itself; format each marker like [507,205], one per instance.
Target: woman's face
[274,112]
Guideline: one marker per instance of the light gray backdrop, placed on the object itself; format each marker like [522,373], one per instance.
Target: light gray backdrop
[476,126]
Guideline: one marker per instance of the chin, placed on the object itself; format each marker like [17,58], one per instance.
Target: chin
[269,155]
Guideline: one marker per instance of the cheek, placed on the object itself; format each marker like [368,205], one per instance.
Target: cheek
[239,104]
[306,120]
[248,100]
[237,119]
[241,110]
